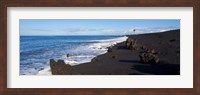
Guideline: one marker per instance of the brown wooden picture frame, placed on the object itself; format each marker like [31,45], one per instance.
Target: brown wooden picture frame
[99,3]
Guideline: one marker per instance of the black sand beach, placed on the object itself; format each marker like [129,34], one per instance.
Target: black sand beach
[144,54]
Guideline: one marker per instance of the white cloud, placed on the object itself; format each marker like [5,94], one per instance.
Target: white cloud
[149,30]
[73,30]
[39,30]
[107,30]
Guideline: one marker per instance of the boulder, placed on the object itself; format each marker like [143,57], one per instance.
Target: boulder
[133,44]
[129,42]
[149,58]
[59,67]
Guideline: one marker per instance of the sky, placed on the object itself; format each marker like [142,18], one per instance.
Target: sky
[94,27]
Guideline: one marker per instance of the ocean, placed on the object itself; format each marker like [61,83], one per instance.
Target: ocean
[36,51]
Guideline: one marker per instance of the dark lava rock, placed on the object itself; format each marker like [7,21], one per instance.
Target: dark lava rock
[58,68]
[149,58]
[129,41]
[133,44]
[153,51]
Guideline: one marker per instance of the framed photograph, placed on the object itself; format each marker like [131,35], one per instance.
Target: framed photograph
[99,47]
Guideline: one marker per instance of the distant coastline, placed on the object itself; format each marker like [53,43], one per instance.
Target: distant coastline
[142,54]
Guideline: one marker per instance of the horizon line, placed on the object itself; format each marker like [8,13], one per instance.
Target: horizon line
[71,35]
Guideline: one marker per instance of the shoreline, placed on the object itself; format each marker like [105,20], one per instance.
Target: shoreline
[143,54]
[100,45]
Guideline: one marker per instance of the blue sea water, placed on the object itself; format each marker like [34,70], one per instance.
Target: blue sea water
[36,51]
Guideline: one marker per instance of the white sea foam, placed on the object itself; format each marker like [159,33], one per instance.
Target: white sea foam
[92,50]
[46,71]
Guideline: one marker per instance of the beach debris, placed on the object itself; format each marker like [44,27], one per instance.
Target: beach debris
[59,67]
